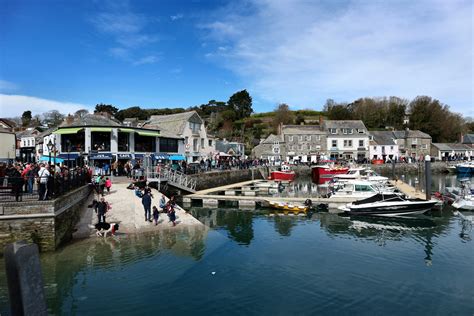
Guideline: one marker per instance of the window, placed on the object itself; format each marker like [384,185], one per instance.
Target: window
[210,142]
[375,147]
[351,131]
[302,147]
[391,147]
[361,143]
[333,130]
[360,131]
[301,138]
[168,145]
[308,138]
[318,138]
[195,127]
[334,143]
[100,141]
[310,147]
[318,147]
[145,143]
[123,141]
[413,146]
[347,143]
[290,138]
[76,141]
[424,146]
[202,143]
[414,141]
[195,144]
[186,140]
[292,147]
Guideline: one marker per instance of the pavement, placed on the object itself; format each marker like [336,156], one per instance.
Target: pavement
[127,210]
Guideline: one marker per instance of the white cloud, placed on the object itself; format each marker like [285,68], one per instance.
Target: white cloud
[7,86]
[14,105]
[176,17]
[146,60]
[303,52]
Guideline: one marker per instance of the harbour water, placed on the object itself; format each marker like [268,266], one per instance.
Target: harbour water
[261,263]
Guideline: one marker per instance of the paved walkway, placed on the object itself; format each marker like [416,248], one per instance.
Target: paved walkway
[127,210]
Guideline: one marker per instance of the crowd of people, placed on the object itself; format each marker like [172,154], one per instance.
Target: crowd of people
[44,179]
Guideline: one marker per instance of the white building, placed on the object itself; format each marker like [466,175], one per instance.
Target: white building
[347,139]
[383,146]
[190,126]
[7,145]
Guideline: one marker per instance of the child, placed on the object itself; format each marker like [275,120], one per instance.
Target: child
[162,203]
[108,184]
[156,214]
[172,214]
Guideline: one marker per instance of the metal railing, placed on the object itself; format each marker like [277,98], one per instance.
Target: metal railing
[173,177]
[18,189]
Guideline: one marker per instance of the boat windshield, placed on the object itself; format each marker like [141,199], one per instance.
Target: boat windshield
[379,197]
[364,188]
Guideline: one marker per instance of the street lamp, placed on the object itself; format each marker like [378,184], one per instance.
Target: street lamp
[50,149]
[68,145]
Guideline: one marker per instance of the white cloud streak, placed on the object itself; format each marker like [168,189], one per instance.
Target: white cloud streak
[14,105]
[7,86]
[303,52]
[176,17]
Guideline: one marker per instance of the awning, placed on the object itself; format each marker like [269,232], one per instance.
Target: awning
[102,156]
[124,156]
[52,159]
[71,130]
[139,156]
[176,157]
[101,129]
[160,156]
[148,133]
[71,156]
[127,130]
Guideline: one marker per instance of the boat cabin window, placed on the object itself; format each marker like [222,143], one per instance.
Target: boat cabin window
[363,188]
[352,172]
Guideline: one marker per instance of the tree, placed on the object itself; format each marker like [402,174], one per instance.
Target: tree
[81,113]
[134,111]
[241,103]
[26,118]
[53,118]
[106,108]
[283,115]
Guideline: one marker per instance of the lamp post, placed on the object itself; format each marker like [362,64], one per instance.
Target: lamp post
[68,144]
[50,148]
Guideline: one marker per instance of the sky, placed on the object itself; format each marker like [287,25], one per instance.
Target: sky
[68,55]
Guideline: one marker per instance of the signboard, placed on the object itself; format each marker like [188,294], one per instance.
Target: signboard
[104,156]
[124,156]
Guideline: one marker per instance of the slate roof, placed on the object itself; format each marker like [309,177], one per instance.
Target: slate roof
[468,139]
[410,134]
[272,139]
[355,124]
[451,146]
[224,146]
[174,123]
[383,137]
[302,129]
[91,120]
[8,122]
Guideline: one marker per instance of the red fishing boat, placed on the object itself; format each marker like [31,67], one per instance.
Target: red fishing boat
[324,173]
[285,174]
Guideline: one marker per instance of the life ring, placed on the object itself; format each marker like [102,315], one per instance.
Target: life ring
[187,146]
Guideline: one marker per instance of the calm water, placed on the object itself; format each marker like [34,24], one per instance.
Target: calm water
[267,264]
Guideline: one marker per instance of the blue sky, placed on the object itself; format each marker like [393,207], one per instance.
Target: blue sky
[67,55]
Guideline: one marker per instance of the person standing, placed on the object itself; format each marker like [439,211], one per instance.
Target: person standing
[162,203]
[17,183]
[156,215]
[108,184]
[146,201]
[171,213]
[43,175]
[102,207]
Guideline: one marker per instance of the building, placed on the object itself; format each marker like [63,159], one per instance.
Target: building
[347,139]
[234,149]
[96,140]
[26,143]
[7,124]
[448,151]
[7,145]
[382,146]
[468,140]
[189,126]
[304,142]
[272,148]
[413,143]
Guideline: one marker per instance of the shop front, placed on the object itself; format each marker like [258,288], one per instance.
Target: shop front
[100,162]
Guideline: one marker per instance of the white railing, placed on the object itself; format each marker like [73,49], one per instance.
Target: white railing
[173,177]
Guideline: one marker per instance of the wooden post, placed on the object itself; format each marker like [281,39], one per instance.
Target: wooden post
[428,177]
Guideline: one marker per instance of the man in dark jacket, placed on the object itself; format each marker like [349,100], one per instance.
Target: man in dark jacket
[101,209]
[146,201]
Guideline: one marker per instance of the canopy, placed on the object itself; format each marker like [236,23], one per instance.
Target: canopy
[161,156]
[71,130]
[176,157]
[148,133]
[52,159]
[127,130]
[222,154]
[101,156]
[101,129]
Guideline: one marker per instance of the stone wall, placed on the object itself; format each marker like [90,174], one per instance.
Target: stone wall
[46,223]
[220,178]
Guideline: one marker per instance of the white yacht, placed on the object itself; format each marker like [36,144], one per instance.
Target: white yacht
[359,189]
[361,174]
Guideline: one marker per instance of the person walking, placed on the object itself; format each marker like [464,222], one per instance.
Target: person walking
[101,209]
[171,213]
[146,201]
[108,184]
[163,203]
[43,175]
[156,215]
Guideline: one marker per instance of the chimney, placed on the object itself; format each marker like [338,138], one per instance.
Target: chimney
[69,119]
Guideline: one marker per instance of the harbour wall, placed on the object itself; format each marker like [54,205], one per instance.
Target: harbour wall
[220,178]
[49,224]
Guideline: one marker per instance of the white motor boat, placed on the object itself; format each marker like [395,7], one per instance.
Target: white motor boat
[463,197]
[359,189]
[388,205]
[361,174]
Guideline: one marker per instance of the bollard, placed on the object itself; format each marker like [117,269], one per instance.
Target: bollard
[25,280]
[428,177]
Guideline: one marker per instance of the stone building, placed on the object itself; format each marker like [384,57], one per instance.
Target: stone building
[347,139]
[7,145]
[234,149]
[468,140]
[27,144]
[189,126]
[304,142]
[413,143]
[272,148]
[383,146]
[447,151]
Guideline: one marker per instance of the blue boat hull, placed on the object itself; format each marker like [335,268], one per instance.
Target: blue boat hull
[464,169]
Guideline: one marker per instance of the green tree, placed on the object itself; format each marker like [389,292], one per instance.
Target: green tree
[109,108]
[241,103]
[134,111]
[283,115]
[26,118]
[81,113]
[53,118]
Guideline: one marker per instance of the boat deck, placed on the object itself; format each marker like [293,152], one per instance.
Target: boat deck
[408,190]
